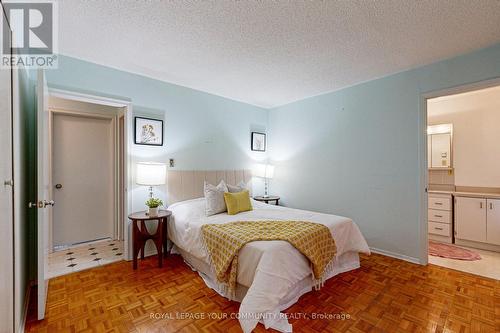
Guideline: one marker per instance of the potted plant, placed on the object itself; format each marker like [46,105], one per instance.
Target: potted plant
[153,204]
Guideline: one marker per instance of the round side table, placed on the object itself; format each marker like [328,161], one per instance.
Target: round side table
[140,234]
[274,198]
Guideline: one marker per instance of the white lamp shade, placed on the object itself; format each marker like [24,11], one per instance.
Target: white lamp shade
[264,171]
[151,174]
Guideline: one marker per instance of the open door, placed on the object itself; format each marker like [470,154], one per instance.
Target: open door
[6,200]
[44,195]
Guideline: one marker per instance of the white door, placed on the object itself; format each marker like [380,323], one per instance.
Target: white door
[44,201]
[83,177]
[470,218]
[493,221]
[6,208]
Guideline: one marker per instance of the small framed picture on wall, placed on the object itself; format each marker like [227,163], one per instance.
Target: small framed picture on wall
[148,131]
[258,141]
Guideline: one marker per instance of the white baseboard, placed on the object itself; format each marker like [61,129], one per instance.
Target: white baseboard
[477,245]
[439,238]
[396,255]
[147,253]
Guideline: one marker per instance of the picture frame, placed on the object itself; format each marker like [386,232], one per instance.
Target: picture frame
[148,131]
[258,142]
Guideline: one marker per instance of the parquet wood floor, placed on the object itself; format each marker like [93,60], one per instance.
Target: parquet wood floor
[384,295]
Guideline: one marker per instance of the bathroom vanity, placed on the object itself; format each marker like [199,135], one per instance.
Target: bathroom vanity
[469,218]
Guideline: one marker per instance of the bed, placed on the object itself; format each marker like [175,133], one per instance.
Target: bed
[272,275]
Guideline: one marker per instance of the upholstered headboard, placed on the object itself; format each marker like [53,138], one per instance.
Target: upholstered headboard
[185,185]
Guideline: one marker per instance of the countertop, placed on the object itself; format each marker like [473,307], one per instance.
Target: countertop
[468,194]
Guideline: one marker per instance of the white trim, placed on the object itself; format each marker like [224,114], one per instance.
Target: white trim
[128,117]
[70,112]
[423,181]
[121,171]
[397,256]
[422,154]
[81,97]
[18,318]
[24,315]
[127,171]
[17,205]
[477,245]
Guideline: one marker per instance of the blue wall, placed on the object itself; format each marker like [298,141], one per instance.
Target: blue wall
[355,152]
[202,131]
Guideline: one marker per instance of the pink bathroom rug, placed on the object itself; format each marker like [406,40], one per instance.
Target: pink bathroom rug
[452,252]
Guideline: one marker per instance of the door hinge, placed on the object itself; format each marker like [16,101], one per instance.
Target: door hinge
[8,182]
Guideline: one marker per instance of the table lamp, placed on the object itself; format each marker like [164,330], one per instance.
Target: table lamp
[265,171]
[151,174]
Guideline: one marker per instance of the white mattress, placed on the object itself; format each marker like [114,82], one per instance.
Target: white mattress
[272,274]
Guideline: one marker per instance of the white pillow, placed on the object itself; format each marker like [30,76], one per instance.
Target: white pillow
[240,187]
[214,198]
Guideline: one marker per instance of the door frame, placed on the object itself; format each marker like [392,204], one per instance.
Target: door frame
[127,147]
[422,154]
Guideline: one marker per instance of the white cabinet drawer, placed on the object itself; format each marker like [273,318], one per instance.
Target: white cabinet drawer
[442,229]
[441,216]
[441,203]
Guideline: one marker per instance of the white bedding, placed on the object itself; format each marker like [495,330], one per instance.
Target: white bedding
[269,269]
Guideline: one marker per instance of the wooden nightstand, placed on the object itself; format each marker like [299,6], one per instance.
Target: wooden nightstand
[140,234]
[274,198]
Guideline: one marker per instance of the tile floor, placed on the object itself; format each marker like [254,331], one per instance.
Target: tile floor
[84,256]
[488,266]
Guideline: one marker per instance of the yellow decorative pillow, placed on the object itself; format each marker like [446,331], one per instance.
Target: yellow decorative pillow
[237,202]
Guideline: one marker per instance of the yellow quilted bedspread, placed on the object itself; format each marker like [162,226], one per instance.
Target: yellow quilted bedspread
[223,242]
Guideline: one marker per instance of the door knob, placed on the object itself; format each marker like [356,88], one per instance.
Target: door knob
[58,186]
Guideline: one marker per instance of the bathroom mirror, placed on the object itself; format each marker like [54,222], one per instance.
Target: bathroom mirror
[440,146]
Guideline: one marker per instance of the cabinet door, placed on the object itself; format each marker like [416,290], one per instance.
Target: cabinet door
[470,218]
[493,221]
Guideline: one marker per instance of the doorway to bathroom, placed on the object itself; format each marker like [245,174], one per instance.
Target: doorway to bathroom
[463,156]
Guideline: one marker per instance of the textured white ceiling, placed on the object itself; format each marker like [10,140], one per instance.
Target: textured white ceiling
[270,53]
